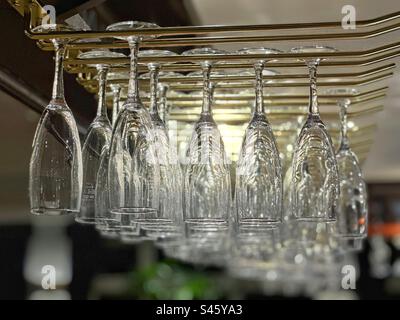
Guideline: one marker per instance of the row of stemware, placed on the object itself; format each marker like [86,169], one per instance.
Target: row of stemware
[132,185]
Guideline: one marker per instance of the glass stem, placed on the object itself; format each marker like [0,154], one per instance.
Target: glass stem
[312,67]
[154,71]
[102,105]
[58,84]
[212,91]
[116,94]
[259,107]
[163,102]
[206,108]
[344,140]
[133,86]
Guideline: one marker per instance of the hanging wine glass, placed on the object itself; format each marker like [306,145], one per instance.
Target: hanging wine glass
[107,223]
[169,217]
[258,171]
[352,210]
[55,171]
[207,177]
[97,137]
[133,173]
[315,184]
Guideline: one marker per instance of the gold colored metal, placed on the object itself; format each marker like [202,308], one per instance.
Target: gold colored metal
[381,54]
[188,31]
[322,98]
[196,30]
[198,86]
[29,8]
[354,83]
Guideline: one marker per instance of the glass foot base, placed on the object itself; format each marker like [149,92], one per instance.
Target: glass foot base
[134,211]
[84,220]
[259,223]
[52,212]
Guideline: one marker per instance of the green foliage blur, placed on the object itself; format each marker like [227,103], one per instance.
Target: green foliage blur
[170,280]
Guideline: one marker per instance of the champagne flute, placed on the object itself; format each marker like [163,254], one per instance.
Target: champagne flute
[134,173]
[107,223]
[352,210]
[315,183]
[55,170]
[258,171]
[207,186]
[97,138]
[169,215]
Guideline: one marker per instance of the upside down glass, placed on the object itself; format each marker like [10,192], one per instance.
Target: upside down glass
[134,174]
[207,183]
[352,211]
[106,222]
[55,171]
[169,217]
[258,171]
[97,138]
[315,183]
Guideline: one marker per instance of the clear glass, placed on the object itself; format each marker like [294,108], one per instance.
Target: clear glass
[254,253]
[105,220]
[134,173]
[207,186]
[315,183]
[170,215]
[290,224]
[55,170]
[107,223]
[258,188]
[116,92]
[164,105]
[352,210]
[97,138]
[163,88]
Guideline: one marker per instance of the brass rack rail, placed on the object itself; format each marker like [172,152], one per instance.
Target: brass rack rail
[381,55]
[190,31]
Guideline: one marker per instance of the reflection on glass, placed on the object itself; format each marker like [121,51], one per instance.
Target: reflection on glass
[207,177]
[258,171]
[133,173]
[97,138]
[314,169]
[55,171]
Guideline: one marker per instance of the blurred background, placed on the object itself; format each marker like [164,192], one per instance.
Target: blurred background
[89,267]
